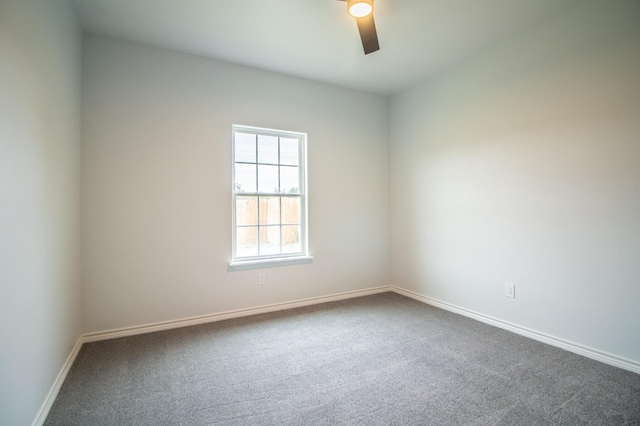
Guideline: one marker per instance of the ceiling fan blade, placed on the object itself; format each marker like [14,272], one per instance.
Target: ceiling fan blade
[368,34]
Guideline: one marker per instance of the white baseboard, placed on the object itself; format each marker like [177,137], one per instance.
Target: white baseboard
[576,348]
[57,384]
[185,322]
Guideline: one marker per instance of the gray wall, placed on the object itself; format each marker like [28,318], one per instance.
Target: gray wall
[39,200]
[522,165]
[156,189]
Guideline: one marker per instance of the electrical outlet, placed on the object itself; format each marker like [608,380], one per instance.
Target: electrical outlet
[510,290]
[262,279]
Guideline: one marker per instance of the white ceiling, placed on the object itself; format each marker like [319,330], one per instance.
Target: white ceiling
[316,39]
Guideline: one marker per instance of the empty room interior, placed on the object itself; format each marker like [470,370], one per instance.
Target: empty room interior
[305,212]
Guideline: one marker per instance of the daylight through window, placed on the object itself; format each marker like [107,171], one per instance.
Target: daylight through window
[269,194]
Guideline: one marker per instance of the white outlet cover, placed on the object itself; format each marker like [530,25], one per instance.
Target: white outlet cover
[510,290]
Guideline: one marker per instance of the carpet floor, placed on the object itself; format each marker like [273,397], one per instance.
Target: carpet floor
[376,360]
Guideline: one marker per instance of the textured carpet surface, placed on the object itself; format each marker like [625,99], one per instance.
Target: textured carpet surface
[382,359]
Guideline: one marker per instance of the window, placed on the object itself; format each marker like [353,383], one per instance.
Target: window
[269,191]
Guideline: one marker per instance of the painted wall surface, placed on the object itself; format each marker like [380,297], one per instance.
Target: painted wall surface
[39,200]
[522,165]
[156,173]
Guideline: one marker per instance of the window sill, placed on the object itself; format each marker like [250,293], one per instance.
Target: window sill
[269,263]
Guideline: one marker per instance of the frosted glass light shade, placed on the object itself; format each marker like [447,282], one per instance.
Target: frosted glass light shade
[360,8]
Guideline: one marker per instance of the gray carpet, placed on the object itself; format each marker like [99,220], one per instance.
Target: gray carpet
[382,359]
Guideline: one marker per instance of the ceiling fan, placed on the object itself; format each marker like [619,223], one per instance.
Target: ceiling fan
[362,10]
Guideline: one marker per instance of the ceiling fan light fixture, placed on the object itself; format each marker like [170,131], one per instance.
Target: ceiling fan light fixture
[360,8]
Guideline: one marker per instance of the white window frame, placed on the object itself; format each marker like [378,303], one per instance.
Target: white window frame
[269,260]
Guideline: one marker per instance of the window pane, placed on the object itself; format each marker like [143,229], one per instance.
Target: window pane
[267,149]
[268,179]
[245,178]
[247,241]
[291,210]
[269,193]
[269,210]
[269,240]
[289,151]
[291,239]
[245,147]
[289,180]
[246,211]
